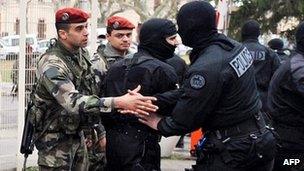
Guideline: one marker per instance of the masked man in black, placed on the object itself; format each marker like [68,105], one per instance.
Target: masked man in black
[130,144]
[286,102]
[277,45]
[265,61]
[219,94]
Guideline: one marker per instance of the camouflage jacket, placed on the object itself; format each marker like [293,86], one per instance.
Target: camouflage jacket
[109,54]
[65,101]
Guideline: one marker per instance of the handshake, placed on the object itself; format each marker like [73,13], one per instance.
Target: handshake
[135,103]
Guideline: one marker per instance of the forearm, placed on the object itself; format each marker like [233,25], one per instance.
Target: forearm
[168,127]
[167,101]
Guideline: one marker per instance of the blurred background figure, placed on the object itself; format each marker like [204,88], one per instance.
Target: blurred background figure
[286,103]
[265,61]
[277,45]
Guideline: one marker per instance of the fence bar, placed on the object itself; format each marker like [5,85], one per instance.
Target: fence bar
[21,79]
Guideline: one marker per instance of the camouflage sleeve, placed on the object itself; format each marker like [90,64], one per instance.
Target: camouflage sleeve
[101,131]
[57,79]
[99,69]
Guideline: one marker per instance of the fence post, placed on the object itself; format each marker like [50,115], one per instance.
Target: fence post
[21,80]
[93,37]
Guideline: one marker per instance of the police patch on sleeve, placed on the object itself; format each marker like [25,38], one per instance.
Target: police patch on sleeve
[242,62]
[197,81]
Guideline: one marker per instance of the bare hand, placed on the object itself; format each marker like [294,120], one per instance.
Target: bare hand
[135,103]
[102,144]
[151,120]
[88,142]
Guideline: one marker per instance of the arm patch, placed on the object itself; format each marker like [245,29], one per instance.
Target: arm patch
[197,81]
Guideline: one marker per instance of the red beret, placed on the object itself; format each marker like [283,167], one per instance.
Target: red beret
[71,15]
[119,23]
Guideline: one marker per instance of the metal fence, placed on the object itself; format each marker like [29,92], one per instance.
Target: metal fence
[33,22]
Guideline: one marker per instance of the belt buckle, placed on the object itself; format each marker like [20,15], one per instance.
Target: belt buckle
[257,116]
[253,136]
[218,134]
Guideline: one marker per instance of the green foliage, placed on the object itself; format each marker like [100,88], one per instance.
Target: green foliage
[268,13]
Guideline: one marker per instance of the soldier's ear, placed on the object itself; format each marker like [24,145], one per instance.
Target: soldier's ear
[63,34]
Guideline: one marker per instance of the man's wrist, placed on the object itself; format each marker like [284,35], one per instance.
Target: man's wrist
[107,104]
[117,103]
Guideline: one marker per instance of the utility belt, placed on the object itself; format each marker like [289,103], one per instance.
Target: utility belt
[86,131]
[245,136]
[135,130]
[254,124]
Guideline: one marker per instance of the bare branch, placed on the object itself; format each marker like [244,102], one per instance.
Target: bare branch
[137,9]
[116,12]
[160,8]
[173,10]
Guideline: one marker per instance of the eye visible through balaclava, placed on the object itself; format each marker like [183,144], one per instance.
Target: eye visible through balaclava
[152,38]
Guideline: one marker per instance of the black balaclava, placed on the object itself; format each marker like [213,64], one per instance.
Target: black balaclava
[300,38]
[152,38]
[250,30]
[196,23]
[197,28]
[276,44]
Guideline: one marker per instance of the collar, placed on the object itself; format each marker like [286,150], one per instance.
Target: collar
[66,52]
[110,51]
[251,40]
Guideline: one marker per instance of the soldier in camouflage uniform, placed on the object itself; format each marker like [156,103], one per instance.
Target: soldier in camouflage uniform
[119,36]
[66,102]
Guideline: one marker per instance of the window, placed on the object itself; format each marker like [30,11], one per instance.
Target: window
[4,34]
[41,29]
[30,41]
[15,42]
[17,26]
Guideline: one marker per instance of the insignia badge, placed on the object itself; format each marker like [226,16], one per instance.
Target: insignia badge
[242,62]
[197,81]
[65,16]
[116,25]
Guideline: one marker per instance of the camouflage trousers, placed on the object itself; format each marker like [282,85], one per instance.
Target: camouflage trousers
[71,154]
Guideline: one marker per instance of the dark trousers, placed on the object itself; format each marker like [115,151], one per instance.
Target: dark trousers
[128,151]
[250,152]
[218,165]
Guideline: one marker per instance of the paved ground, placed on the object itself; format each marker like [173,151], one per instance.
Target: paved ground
[178,161]
[176,165]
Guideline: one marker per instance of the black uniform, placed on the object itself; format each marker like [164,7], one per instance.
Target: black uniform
[286,97]
[130,144]
[265,60]
[282,55]
[179,65]
[219,96]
